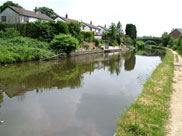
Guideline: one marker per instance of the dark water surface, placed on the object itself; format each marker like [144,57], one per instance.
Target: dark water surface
[79,96]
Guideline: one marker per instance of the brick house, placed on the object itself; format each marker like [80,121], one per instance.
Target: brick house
[175,33]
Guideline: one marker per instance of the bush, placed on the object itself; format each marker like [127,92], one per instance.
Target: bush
[42,30]
[19,49]
[88,36]
[98,42]
[9,33]
[140,44]
[75,29]
[65,43]
[86,47]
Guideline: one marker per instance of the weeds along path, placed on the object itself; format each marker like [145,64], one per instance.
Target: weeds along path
[174,126]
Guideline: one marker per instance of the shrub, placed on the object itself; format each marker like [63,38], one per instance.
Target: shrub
[9,33]
[140,44]
[65,43]
[98,42]
[86,47]
[19,49]
[42,30]
[88,36]
[75,29]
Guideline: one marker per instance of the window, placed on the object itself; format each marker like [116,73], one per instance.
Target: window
[83,27]
[3,18]
[26,19]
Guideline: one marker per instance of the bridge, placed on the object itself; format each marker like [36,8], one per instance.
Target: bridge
[151,41]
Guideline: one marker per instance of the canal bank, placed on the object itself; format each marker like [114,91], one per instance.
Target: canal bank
[87,52]
[150,111]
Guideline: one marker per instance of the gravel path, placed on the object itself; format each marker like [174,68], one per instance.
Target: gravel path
[174,126]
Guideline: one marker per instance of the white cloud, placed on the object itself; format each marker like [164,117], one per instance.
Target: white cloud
[152,17]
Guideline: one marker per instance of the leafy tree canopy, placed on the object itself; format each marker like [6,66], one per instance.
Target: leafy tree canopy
[48,11]
[9,3]
[131,31]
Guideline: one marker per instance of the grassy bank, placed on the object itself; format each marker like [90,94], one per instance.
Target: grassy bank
[18,49]
[148,115]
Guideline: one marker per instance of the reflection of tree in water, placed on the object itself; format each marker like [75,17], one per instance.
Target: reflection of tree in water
[130,61]
[114,64]
[16,79]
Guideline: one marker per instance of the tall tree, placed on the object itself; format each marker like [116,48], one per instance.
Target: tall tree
[131,31]
[9,3]
[48,11]
[119,32]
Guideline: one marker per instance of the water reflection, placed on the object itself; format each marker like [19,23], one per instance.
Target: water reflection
[16,79]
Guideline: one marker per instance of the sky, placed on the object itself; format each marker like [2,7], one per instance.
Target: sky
[151,17]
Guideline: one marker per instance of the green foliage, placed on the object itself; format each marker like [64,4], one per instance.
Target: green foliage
[41,30]
[128,40]
[88,36]
[166,39]
[75,29]
[111,35]
[48,11]
[98,42]
[9,33]
[119,33]
[131,31]
[9,3]
[17,49]
[65,43]
[86,47]
[140,44]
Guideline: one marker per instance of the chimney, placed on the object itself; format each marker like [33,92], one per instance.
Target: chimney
[91,22]
[36,9]
[66,15]
[105,26]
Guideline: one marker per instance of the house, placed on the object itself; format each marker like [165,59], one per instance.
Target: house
[64,19]
[89,27]
[12,14]
[102,29]
[175,33]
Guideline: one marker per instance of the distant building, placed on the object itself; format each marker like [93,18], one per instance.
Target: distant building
[13,14]
[89,27]
[102,29]
[64,19]
[175,33]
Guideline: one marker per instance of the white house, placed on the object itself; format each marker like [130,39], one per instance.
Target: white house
[89,27]
[102,29]
[19,15]
[64,19]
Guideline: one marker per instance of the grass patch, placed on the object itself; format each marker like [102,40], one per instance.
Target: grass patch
[148,115]
[19,49]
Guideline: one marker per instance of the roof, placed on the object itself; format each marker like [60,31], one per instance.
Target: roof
[66,19]
[89,25]
[103,27]
[28,13]
[179,30]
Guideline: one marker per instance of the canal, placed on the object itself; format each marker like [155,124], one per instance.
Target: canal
[78,96]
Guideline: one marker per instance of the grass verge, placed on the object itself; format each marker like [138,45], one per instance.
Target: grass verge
[148,115]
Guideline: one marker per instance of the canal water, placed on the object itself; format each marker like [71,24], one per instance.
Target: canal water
[78,96]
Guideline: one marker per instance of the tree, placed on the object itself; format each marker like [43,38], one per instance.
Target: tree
[119,32]
[75,29]
[166,39]
[9,3]
[65,43]
[131,31]
[48,11]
